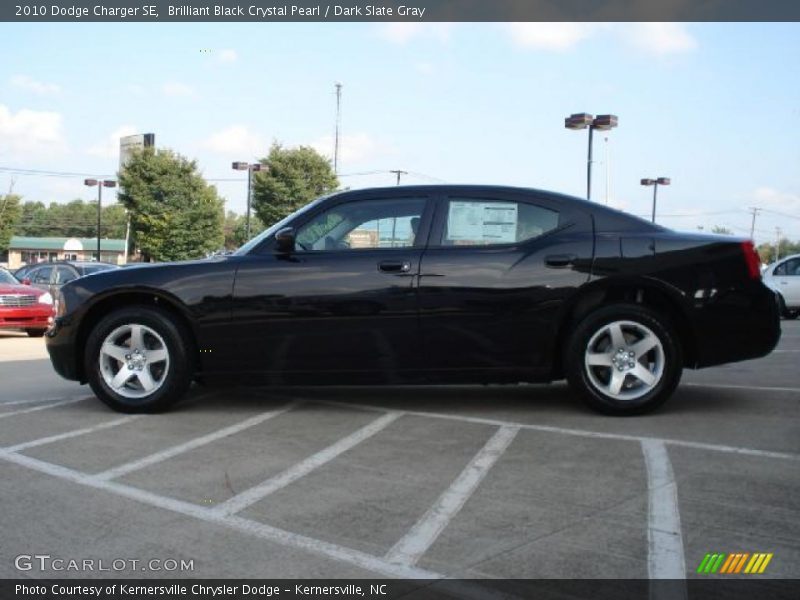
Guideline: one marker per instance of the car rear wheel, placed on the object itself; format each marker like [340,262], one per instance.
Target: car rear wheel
[138,360]
[624,359]
[784,310]
[35,332]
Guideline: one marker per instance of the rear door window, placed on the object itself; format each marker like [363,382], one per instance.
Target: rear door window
[487,222]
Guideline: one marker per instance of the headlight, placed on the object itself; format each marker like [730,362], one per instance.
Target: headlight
[46,298]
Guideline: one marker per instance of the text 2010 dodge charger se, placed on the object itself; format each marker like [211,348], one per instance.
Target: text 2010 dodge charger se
[438,284]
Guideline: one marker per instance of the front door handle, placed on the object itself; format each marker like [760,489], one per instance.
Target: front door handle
[394,267]
[560,260]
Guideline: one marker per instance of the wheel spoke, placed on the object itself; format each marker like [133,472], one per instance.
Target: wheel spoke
[146,379]
[615,385]
[154,356]
[598,359]
[643,374]
[121,378]
[114,351]
[617,337]
[644,346]
[137,339]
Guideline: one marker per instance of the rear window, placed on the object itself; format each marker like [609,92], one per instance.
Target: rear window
[477,222]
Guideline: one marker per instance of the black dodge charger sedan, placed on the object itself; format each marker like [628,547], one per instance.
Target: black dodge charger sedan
[437,284]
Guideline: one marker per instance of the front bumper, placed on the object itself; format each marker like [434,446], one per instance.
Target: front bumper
[60,342]
[32,317]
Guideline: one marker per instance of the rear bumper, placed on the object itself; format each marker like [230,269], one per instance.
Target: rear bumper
[60,344]
[737,325]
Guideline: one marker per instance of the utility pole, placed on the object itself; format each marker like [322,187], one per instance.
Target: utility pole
[755,210]
[338,127]
[399,173]
[777,243]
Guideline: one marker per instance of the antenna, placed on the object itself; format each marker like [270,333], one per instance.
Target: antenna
[338,127]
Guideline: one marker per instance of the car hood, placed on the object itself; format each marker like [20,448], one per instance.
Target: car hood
[13,289]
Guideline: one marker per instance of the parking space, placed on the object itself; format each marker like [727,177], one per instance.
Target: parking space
[485,482]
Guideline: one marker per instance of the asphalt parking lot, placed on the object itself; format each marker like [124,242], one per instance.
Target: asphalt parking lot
[478,482]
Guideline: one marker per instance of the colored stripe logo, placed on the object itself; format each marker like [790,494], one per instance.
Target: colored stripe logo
[736,563]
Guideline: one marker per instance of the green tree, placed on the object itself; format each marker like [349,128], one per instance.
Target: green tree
[175,214]
[73,219]
[10,216]
[295,177]
[236,229]
[721,230]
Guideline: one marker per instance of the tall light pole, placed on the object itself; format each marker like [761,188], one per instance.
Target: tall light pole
[100,183]
[338,127]
[655,183]
[584,121]
[244,166]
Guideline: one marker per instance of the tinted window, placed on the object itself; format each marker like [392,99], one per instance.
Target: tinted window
[475,222]
[65,274]
[361,224]
[41,275]
[791,268]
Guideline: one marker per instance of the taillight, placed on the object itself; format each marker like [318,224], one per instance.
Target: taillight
[752,259]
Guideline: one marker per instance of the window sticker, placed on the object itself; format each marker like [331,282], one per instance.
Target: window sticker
[485,222]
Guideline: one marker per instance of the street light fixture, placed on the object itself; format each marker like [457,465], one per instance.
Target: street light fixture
[100,183]
[244,166]
[655,183]
[584,121]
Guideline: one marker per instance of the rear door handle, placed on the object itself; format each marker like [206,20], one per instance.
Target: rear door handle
[559,260]
[394,267]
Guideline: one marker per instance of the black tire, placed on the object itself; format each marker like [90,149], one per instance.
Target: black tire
[580,376]
[35,333]
[174,382]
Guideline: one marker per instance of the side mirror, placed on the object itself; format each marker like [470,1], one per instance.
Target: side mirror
[284,240]
[26,281]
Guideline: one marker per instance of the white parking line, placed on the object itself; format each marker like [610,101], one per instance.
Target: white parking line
[31,401]
[304,467]
[665,556]
[755,388]
[46,406]
[263,531]
[192,444]
[602,435]
[424,533]
[71,434]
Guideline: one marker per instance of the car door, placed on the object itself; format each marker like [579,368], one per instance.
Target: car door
[344,303]
[787,281]
[493,280]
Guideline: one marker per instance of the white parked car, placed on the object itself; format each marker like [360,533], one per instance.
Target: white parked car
[783,277]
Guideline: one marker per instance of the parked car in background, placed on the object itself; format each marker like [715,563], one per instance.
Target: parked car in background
[436,284]
[23,306]
[50,276]
[783,277]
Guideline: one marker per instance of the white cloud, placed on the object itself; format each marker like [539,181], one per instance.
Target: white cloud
[30,134]
[30,84]
[176,89]
[237,141]
[550,36]
[402,32]
[109,148]
[772,199]
[353,148]
[425,68]
[661,38]
[227,55]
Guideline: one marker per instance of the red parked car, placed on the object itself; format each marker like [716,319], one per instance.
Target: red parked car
[23,306]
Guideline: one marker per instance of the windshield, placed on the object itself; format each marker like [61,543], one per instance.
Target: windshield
[272,230]
[6,277]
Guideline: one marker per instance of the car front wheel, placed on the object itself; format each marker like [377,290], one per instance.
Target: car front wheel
[624,359]
[138,360]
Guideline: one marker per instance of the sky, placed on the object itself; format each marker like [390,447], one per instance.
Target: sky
[713,106]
